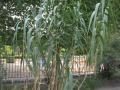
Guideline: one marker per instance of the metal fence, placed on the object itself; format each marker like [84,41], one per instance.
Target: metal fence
[19,71]
[80,66]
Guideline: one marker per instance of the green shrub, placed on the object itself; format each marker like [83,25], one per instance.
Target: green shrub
[111,57]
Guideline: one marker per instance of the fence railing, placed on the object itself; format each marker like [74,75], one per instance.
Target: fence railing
[79,66]
[18,70]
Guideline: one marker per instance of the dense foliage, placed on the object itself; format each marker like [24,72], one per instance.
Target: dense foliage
[46,28]
[61,25]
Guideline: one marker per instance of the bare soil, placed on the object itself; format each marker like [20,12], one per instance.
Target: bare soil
[112,84]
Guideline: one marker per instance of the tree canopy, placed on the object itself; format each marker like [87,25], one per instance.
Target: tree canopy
[13,10]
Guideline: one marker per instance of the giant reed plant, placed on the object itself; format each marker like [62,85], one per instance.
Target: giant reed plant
[60,25]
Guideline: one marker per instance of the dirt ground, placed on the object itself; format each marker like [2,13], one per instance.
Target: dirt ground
[109,88]
[112,84]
